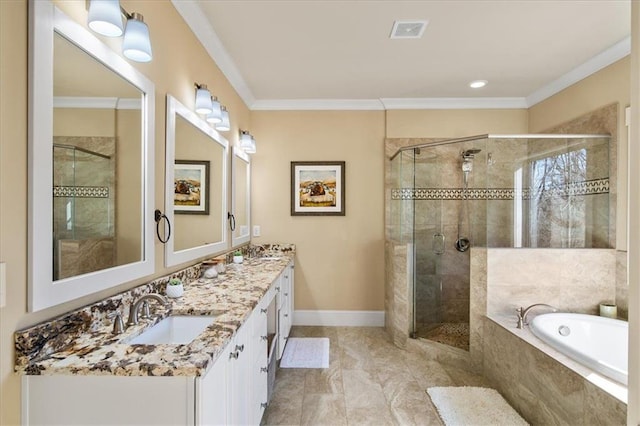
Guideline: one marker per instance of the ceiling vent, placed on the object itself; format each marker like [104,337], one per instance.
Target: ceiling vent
[408,29]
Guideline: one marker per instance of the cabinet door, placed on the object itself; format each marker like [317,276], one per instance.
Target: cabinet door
[212,396]
[240,362]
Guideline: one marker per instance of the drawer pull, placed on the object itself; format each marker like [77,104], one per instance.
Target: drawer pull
[263,405]
[264,337]
[263,310]
[264,369]
[240,347]
[234,355]
[286,315]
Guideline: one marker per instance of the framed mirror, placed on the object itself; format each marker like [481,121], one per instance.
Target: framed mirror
[241,196]
[91,121]
[196,186]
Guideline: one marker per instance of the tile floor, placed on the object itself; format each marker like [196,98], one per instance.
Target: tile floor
[369,382]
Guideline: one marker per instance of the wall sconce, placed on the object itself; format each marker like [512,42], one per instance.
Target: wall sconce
[225,124]
[215,116]
[203,99]
[247,142]
[105,18]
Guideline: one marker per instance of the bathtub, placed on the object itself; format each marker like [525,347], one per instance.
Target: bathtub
[596,342]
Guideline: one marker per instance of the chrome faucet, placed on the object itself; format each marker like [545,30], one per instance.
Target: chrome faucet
[522,313]
[133,311]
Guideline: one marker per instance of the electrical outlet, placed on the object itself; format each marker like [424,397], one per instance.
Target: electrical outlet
[256,230]
[3,284]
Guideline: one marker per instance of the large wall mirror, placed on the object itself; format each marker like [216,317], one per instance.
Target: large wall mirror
[241,196]
[90,163]
[196,186]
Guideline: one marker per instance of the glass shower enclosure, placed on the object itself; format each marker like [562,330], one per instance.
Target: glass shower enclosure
[491,191]
[83,216]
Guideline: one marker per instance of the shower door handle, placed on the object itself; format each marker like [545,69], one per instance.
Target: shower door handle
[437,245]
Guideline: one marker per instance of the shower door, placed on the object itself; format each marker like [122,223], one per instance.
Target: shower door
[449,217]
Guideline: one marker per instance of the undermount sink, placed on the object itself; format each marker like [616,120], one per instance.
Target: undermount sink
[174,330]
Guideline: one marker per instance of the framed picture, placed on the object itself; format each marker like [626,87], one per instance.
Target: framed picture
[317,188]
[191,187]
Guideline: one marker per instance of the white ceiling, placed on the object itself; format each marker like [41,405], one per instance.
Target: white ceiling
[279,53]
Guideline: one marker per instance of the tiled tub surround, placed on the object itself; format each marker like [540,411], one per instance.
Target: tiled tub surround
[545,386]
[82,343]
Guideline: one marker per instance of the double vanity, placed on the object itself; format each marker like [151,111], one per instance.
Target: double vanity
[76,370]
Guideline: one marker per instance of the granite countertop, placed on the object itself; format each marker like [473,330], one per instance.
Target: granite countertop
[230,297]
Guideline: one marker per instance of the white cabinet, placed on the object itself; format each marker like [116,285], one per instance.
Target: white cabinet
[285,306]
[240,376]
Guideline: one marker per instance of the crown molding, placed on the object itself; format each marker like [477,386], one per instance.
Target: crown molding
[195,19]
[96,102]
[317,105]
[591,66]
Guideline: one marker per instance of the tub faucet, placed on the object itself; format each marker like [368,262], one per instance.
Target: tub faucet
[522,313]
[135,307]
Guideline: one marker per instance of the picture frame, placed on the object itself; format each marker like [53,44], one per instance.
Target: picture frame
[317,188]
[191,187]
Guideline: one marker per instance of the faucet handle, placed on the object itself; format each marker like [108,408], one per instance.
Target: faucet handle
[118,324]
[145,310]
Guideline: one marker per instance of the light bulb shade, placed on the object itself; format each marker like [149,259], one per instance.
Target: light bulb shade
[136,44]
[215,116]
[245,140]
[203,99]
[225,124]
[105,17]
[252,148]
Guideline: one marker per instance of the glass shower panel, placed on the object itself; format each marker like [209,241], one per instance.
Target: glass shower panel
[83,225]
[550,192]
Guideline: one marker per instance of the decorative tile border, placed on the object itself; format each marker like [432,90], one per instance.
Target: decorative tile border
[81,191]
[589,187]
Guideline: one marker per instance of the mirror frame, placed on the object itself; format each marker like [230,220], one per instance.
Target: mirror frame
[172,257]
[240,155]
[44,19]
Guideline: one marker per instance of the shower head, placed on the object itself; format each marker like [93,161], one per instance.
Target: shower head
[470,152]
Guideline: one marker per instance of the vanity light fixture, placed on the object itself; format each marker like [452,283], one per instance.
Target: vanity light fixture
[247,142]
[105,18]
[477,84]
[252,148]
[225,124]
[215,116]
[136,44]
[203,99]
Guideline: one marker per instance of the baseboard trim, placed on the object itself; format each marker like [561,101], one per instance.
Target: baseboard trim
[339,318]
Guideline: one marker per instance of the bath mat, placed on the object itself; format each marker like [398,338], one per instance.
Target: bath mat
[466,405]
[306,352]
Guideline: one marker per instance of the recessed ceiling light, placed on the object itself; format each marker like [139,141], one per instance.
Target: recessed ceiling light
[476,84]
[408,29]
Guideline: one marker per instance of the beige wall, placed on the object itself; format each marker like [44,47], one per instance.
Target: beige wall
[454,123]
[179,61]
[609,85]
[340,259]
